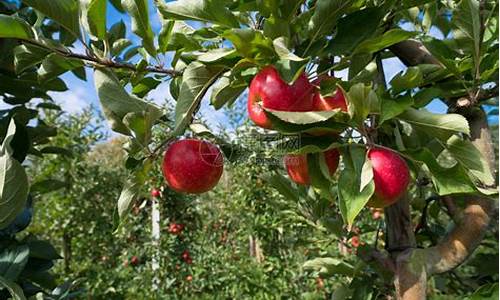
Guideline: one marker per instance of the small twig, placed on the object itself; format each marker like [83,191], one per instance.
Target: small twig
[423,219]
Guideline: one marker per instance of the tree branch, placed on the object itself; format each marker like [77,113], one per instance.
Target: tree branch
[105,62]
[463,239]
[413,52]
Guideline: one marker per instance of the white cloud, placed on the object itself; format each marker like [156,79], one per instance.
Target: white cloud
[75,99]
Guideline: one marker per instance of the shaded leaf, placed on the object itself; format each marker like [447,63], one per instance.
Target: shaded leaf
[471,158]
[64,12]
[387,39]
[352,198]
[93,17]
[307,117]
[196,80]
[391,108]
[12,27]
[13,181]
[441,126]
[223,92]
[116,102]
[200,10]
[354,28]
[139,13]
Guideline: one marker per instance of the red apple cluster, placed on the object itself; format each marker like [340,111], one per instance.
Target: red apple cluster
[269,91]
[175,228]
[192,166]
[186,257]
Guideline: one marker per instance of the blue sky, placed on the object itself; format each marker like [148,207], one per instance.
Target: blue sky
[82,93]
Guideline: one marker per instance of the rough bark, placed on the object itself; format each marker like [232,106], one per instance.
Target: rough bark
[414,266]
[409,277]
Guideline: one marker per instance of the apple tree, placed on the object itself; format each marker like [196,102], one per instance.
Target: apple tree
[315,72]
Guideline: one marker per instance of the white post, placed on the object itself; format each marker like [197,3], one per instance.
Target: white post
[155,234]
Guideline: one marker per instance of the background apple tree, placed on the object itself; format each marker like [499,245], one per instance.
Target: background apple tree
[210,51]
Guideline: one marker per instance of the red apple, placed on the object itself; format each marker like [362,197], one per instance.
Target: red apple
[189,278]
[296,165]
[134,261]
[186,255]
[192,166]
[391,177]
[355,241]
[336,101]
[155,193]
[269,90]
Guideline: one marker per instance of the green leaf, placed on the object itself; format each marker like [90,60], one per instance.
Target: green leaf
[116,32]
[325,17]
[116,102]
[218,54]
[411,78]
[446,180]
[389,38]
[43,250]
[145,86]
[308,117]
[290,70]
[15,290]
[441,126]
[223,92]
[12,27]
[471,158]
[283,186]
[47,186]
[13,181]
[181,38]
[360,99]
[353,29]
[392,108]
[138,11]
[416,77]
[328,266]
[119,45]
[55,65]
[426,95]
[200,10]
[140,124]
[132,188]
[27,56]
[12,261]
[318,171]
[466,17]
[93,17]
[366,175]
[283,51]
[164,36]
[352,197]
[64,12]
[250,43]
[196,80]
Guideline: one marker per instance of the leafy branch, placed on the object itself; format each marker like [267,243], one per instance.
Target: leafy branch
[106,62]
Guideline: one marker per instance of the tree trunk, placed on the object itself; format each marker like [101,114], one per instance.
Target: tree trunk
[413,266]
[67,252]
